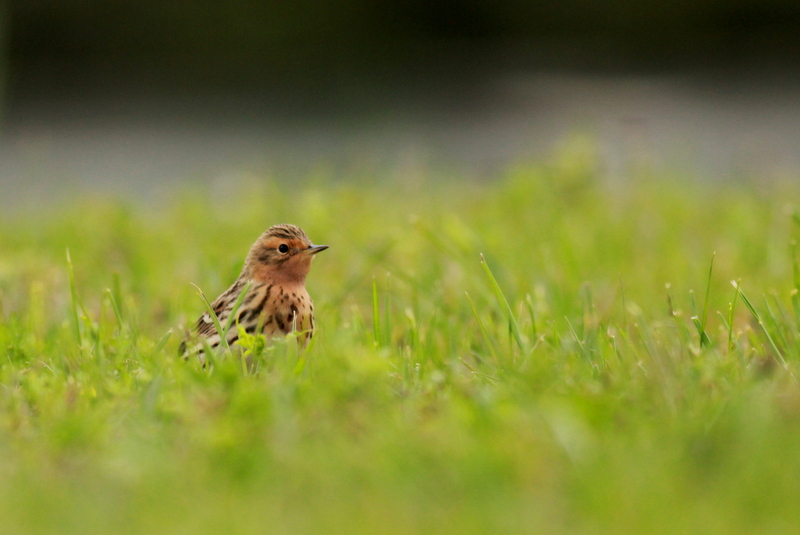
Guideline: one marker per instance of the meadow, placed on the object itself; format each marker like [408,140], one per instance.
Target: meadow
[548,351]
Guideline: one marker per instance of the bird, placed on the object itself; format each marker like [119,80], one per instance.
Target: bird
[276,303]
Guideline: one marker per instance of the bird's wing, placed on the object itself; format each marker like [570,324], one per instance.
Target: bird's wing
[221,307]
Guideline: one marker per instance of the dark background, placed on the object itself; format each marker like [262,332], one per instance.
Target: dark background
[207,45]
[136,96]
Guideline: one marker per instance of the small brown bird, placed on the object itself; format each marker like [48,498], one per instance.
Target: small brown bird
[277,301]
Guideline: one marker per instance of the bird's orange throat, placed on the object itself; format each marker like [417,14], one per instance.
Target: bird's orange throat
[292,271]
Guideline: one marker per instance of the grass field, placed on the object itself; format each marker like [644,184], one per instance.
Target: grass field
[595,375]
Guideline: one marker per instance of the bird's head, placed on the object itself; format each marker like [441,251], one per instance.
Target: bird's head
[281,255]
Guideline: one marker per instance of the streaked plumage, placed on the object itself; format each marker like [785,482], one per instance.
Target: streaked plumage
[277,302]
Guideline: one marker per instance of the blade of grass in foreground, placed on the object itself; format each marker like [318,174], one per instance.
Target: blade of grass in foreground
[223,332]
[501,299]
[796,278]
[757,317]
[74,307]
[115,307]
[376,317]
[484,332]
[387,320]
[700,323]
[236,305]
[581,343]
[161,343]
[730,321]
[217,325]
[775,323]
[116,293]
[532,314]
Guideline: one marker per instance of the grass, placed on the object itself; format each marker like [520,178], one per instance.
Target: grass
[592,372]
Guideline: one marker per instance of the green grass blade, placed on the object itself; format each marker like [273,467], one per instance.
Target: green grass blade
[116,289]
[731,309]
[758,319]
[776,325]
[74,304]
[501,299]
[704,340]
[115,307]
[699,327]
[532,314]
[795,293]
[223,340]
[236,305]
[387,320]
[482,327]
[376,314]
[581,343]
[724,321]
[161,343]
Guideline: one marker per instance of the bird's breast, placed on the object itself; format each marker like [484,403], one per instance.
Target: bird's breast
[289,309]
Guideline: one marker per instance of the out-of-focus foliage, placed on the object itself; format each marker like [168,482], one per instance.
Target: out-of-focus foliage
[593,376]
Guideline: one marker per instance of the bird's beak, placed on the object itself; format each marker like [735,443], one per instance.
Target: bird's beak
[314,249]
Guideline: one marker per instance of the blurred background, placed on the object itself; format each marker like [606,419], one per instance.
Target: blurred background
[146,97]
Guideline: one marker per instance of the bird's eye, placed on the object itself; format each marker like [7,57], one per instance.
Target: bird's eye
[283,248]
